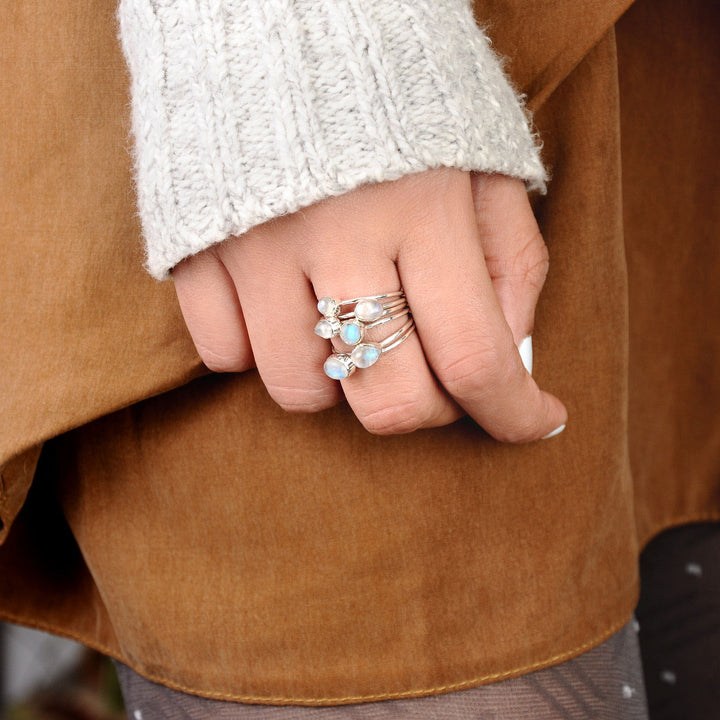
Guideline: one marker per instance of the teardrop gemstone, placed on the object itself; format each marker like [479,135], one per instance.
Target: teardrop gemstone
[365,355]
[327,328]
[368,310]
[338,367]
[351,332]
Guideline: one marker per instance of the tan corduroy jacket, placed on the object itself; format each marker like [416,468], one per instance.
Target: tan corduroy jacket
[191,528]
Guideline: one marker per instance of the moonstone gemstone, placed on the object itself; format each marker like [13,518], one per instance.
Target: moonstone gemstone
[327,328]
[351,332]
[338,367]
[365,355]
[328,306]
[368,310]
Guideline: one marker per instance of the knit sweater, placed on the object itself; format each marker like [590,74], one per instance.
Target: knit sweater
[244,110]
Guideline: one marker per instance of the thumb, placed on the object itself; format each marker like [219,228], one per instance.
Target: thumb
[515,253]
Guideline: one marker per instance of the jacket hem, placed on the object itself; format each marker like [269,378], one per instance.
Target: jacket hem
[391,695]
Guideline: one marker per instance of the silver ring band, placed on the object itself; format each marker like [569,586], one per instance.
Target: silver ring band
[369,311]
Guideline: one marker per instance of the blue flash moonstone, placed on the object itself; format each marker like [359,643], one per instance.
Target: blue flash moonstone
[365,355]
[336,368]
[351,333]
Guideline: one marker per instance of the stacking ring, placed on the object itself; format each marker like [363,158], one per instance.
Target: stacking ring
[350,327]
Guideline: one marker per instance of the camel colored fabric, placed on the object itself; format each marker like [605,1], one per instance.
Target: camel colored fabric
[190,528]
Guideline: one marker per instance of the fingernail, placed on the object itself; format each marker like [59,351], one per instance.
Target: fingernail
[555,432]
[526,353]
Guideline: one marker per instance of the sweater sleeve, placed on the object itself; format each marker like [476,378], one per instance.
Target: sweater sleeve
[245,110]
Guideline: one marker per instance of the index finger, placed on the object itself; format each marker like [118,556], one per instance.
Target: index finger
[464,334]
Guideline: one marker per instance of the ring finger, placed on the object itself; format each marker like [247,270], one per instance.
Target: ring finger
[399,392]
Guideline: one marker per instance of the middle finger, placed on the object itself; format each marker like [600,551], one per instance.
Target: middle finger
[399,393]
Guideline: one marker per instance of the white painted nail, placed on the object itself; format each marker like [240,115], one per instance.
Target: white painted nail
[526,353]
[555,432]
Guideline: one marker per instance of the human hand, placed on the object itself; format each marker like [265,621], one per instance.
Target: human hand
[467,251]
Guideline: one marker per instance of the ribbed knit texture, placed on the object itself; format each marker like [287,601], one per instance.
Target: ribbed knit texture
[244,110]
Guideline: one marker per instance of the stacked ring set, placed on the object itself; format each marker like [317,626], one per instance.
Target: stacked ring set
[351,328]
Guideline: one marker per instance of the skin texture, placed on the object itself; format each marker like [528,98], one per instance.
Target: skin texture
[466,249]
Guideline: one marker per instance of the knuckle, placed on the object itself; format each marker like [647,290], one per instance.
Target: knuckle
[302,399]
[224,360]
[398,418]
[474,371]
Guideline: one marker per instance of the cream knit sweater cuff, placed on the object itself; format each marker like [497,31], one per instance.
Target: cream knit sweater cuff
[244,110]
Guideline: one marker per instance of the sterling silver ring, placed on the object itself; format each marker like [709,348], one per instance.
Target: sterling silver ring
[351,327]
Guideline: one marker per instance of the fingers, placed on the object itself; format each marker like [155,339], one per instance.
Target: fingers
[399,393]
[339,249]
[280,313]
[212,313]
[515,254]
[462,328]
[428,233]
